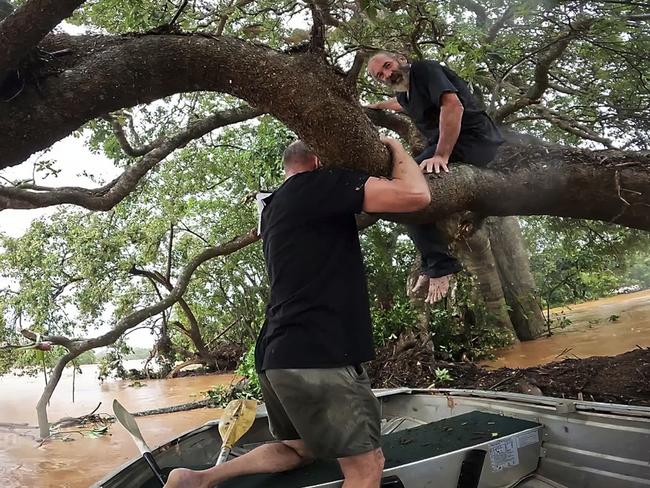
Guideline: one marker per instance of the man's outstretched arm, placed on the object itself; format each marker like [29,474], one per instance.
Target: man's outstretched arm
[389,104]
[407,191]
[451,116]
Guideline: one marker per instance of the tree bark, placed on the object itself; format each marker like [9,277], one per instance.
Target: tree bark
[516,279]
[106,73]
[475,252]
[52,382]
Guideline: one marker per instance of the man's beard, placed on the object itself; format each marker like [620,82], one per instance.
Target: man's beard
[399,80]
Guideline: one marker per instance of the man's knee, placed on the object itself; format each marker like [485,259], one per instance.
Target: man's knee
[368,465]
[299,447]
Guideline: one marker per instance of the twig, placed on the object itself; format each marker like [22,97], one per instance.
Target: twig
[178,12]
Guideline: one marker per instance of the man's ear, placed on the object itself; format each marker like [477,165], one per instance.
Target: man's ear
[401,59]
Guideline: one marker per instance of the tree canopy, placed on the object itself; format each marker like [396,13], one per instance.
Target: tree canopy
[194,101]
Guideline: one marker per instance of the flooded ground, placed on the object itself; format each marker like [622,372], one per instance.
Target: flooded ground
[84,460]
[79,463]
[605,327]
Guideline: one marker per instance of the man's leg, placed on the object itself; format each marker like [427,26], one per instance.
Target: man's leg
[268,458]
[363,470]
[430,242]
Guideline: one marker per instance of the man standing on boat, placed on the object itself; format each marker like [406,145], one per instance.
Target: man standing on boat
[457,129]
[318,330]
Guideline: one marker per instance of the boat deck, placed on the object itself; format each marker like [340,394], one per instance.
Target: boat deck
[400,448]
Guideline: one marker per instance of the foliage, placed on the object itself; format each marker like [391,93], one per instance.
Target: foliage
[443,375]
[72,272]
[111,364]
[246,369]
[462,328]
[574,261]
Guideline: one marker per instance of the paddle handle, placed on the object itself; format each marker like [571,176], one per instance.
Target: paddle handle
[155,469]
[223,455]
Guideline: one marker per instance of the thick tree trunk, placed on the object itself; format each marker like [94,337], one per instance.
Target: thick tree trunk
[41,406]
[516,279]
[475,252]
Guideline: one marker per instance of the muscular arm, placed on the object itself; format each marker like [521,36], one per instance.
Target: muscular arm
[451,114]
[390,104]
[407,191]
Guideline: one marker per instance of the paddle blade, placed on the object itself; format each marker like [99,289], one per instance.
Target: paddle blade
[237,418]
[128,422]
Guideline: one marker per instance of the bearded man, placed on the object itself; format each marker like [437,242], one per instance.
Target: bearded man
[456,128]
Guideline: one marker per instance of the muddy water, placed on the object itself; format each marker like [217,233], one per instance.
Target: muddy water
[84,460]
[591,332]
[79,463]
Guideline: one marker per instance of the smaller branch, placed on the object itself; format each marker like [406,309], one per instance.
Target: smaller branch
[106,197]
[477,8]
[499,24]
[563,89]
[118,132]
[555,50]
[317,36]
[178,12]
[353,74]
[169,252]
[220,334]
[638,18]
[399,124]
[572,127]
[187,229]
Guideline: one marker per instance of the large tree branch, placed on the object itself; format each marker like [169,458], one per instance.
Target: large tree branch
[106,197]
[26,27]
[107,73]
[612,186]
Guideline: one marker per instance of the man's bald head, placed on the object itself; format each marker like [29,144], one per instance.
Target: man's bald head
[297,158]
[391,69]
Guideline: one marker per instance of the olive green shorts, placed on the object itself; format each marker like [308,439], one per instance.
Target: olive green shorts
[332,410]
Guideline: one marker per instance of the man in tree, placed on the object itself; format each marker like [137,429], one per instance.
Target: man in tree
[318,331]
[456,129]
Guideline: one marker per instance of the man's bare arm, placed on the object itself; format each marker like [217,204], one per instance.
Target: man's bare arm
[407,191]
[390,104]
[451,115]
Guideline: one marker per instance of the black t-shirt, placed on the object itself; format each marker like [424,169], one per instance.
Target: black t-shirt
[318,314]
[428,80]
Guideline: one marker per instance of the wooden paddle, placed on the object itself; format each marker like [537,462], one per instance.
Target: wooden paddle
[237,418]
[128,422]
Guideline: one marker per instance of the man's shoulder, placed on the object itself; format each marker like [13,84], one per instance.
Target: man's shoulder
[425,66]
[335,175]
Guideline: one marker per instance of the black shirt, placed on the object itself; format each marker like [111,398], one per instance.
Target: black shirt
[318,314]
[428,80]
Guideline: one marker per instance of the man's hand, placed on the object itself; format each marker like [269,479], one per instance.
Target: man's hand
[435,163]
[390,142]
[438,287]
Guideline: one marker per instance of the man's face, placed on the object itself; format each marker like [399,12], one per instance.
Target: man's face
[390,70]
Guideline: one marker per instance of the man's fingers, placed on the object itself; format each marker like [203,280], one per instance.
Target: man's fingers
[443,165]
[437,166]
[423,165]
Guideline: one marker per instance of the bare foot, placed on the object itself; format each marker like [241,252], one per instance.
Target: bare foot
[185,478]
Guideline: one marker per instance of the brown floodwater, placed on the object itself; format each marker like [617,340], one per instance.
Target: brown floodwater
[592,332]
[84,460]
[79,463]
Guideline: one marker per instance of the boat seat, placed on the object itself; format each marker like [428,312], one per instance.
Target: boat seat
[435,450]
